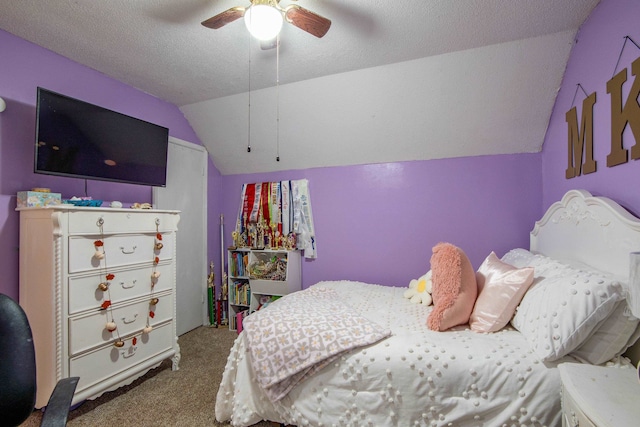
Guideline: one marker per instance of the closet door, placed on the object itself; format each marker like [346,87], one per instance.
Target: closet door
[186,191]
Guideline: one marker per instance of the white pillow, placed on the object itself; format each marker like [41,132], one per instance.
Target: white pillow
[545,266]
[563,307]
[610,338]
[518,257]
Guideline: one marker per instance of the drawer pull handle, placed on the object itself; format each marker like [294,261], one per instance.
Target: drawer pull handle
[125,320]
[124,286]
[129,352]
[133,249]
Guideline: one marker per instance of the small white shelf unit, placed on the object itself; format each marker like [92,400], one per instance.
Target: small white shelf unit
[246,289]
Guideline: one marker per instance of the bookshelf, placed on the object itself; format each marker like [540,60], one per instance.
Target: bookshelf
[259,276]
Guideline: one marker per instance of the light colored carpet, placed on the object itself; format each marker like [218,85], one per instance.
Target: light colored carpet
[164,397]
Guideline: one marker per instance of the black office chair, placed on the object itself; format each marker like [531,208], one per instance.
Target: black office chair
[18,373]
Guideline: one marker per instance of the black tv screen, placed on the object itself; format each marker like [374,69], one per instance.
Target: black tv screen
[82,140]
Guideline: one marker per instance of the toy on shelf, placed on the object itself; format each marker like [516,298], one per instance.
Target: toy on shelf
[273,269]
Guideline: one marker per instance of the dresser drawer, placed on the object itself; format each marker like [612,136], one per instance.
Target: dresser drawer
[88,330]
[127,284]
[115,222]
[105,362]
[120,250]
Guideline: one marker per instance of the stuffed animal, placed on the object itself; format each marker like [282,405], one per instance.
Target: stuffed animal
[419,291]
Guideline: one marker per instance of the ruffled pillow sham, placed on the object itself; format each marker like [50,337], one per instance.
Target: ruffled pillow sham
[564,306]
[612,337]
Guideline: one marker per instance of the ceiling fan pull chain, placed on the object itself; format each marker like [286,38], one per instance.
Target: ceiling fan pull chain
[249,114]
[278,98]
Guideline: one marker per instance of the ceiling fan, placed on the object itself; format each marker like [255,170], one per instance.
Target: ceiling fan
[302,18]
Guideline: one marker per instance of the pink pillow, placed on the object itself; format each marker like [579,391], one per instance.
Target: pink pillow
[501,287]
[454,288]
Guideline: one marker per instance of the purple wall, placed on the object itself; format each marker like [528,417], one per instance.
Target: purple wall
[26,66]
[591,65]
[374,223]
[378,223]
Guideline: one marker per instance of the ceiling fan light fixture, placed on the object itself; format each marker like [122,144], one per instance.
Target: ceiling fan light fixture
[264,22]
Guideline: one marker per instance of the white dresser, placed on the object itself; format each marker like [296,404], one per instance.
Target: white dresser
[84,271]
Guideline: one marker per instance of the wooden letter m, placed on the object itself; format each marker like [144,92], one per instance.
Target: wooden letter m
[581,139]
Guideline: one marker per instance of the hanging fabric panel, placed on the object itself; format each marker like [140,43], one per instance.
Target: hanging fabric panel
[276,215]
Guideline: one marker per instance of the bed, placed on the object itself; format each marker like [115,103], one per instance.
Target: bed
[400,373]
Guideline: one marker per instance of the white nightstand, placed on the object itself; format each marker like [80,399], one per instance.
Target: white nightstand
[599,396]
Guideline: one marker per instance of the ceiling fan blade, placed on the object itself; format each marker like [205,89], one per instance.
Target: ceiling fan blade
[306,20]
[222,19]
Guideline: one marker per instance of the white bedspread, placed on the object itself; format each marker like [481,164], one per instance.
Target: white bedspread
[416,377]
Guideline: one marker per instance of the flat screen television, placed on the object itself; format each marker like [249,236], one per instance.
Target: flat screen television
[82,140]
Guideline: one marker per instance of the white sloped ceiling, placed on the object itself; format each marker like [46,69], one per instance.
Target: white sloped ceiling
[391,80]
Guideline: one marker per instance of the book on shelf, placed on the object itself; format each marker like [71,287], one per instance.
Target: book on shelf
[239,318]
[238,261]
[241,292]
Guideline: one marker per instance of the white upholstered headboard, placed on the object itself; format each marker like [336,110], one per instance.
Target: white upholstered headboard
[594,231]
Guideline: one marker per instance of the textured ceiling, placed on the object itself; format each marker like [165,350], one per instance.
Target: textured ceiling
[160,47]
